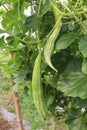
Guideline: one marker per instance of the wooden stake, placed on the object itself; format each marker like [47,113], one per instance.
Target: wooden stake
[17,104]
[18,113]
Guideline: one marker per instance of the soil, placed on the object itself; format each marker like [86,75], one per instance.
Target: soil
[8,121]
[5,125]
[7,113]
[6,102]
[6,105]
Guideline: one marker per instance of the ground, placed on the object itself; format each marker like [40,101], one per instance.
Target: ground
[7,103]
[7,113]
[5,125]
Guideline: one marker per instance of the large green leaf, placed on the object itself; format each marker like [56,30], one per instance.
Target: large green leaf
[66,40]
[75,120]
[84,66]
[83,46]
[73,82]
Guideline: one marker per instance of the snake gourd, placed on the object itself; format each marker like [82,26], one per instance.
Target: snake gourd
[48,49]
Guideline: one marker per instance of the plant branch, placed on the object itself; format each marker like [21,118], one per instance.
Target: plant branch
[78,21]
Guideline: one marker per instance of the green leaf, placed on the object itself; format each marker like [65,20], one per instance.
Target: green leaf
[2,11]
[32,22]
[45,9]
[12,42]
[85,23]
[2,31]
[65,41]
[13,64]
[83,46]
[11,22]
[81,103]
[75,120]
[1,42]
[19,76]
[73,82]
[12,1]
[84,66]
[50,100]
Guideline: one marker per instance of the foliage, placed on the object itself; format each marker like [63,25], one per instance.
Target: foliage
[59,31]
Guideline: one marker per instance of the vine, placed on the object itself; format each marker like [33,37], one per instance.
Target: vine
[58,29]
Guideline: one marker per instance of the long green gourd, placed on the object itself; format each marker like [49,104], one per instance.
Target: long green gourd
[48,49]
[37,87]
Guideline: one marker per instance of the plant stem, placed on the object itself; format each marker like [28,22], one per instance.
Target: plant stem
[53,124]
[78,21]
[39,7]
[17,108]
[16,102]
